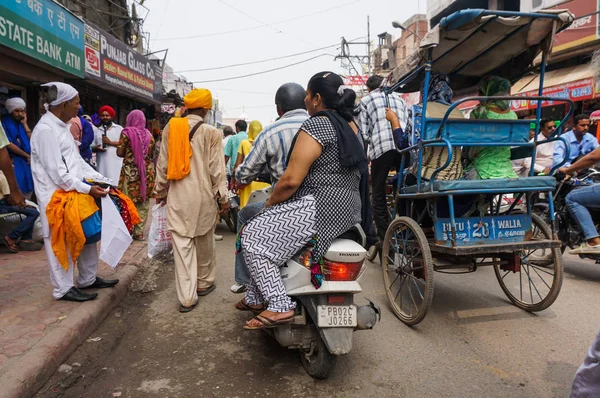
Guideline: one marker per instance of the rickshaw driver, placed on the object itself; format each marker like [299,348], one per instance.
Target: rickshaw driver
[580,199]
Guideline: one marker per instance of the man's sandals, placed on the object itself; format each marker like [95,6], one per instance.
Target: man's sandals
[13,248]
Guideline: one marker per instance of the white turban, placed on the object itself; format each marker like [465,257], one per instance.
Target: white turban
[65,92]
[12,104]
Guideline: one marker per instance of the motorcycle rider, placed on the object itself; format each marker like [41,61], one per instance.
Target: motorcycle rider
[578,202]
[269,152]
[580,141]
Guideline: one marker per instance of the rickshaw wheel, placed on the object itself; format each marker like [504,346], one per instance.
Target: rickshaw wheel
[407,270]
[534,287]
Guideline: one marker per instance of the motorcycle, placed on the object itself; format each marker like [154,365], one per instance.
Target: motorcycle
[231,217]
[566,227]
[325,318]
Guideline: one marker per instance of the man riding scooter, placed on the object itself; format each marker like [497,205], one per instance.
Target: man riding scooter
[270,152]
[580,199]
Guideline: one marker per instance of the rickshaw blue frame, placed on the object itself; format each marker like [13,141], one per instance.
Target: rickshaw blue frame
[466,133]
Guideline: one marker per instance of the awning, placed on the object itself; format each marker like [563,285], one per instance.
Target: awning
[576,83]
[553,78]
[473,43]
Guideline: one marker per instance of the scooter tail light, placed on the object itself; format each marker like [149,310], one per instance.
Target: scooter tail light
[334,271]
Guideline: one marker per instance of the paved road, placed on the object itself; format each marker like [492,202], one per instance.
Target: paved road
[472,344]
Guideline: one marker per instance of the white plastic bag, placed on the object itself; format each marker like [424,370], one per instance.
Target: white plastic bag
[115,236]
[159,238]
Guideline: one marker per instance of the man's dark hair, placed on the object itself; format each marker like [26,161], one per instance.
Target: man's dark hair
[227,131]
[545,121]
[241,125]
[373,82]
[290,96]
[582,116]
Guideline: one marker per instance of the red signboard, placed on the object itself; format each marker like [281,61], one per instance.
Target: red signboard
[583,29]
[355,80]
[579,90]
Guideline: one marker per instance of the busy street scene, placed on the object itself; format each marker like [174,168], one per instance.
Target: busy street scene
[299,199]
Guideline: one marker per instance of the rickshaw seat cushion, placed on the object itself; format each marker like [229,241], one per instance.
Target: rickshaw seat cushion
[478,132]
[542,183]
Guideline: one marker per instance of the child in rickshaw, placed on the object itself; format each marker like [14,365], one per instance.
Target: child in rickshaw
[491,161]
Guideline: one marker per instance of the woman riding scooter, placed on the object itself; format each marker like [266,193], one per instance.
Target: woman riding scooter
[316,200]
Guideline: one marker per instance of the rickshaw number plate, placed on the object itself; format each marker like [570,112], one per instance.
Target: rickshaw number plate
[334,316]
[484,229]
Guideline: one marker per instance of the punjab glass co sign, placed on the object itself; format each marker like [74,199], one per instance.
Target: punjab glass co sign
[111,61]
[43,30]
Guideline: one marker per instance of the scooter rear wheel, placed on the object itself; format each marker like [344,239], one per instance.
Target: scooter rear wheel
[319,362]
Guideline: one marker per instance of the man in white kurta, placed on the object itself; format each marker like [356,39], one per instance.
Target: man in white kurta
[56,164]
[106,141]
[192,201]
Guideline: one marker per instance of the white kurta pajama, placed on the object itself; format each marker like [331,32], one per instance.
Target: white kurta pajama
[109,164]
[57,164]
[192,211]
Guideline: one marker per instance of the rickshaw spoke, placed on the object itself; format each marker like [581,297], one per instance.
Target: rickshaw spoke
[536,289]
[418,290]
[506,273]
[392,284]
[542,269]
[534,270]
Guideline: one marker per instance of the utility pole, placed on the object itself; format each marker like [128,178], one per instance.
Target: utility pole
[369,43]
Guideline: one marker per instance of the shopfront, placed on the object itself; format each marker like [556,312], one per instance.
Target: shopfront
[576,83]
[118,76]
[40,41]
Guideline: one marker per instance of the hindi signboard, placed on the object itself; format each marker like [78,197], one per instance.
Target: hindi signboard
[43,30]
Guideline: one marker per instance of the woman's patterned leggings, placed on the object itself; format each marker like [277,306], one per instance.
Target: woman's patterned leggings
[270,239]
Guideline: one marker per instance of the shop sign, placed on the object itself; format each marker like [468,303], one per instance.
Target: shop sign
[43,30]
[580,90]
[355,80]
[111,61]
[582,30]
[167,108]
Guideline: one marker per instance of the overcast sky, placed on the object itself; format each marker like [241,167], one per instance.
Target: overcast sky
[264,29]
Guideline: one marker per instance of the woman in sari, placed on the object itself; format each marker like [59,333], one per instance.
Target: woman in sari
[136,147]
[493,161]
[244,191]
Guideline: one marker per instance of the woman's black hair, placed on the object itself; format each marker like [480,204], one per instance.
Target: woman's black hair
[327,85]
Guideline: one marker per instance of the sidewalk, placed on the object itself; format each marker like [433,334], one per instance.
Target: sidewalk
[38,333]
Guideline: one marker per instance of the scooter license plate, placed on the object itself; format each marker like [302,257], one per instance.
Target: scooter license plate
[334,316]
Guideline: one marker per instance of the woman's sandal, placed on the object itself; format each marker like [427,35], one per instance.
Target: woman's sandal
[242,306]
[267,323]
[11,248]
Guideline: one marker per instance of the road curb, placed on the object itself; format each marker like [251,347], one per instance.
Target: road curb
[27,376]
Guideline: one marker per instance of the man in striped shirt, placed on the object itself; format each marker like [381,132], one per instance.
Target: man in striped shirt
[269,153]
[377,133]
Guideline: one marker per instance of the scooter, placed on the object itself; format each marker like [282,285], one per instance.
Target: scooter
[325,318]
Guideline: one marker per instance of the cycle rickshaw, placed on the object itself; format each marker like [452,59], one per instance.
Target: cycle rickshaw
[467,46]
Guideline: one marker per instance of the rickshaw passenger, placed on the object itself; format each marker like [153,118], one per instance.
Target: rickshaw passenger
[439,100]
[491,162]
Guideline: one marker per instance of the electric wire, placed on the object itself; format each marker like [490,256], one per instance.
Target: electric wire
[256,62]
[261,72]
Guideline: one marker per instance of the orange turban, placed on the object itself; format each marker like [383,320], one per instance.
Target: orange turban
[198,98]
